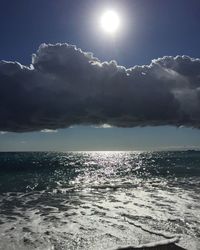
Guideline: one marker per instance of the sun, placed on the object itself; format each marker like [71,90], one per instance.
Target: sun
[110,21]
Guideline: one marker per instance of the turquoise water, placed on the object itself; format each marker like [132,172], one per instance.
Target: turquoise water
[99,200]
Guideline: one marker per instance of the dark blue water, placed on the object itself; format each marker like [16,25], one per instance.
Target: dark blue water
[81,200]
[43,170]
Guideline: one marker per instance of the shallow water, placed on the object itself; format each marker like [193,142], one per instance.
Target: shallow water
[99,200]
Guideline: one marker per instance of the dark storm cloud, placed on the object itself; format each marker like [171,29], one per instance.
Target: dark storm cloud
[65,86]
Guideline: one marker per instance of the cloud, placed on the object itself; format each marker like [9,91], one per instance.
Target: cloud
[103,126]
[49,131]
[3,132]
[65,86]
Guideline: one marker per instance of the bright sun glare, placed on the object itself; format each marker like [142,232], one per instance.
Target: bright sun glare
[110,21]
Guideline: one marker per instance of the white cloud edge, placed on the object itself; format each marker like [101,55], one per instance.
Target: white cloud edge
[49,131]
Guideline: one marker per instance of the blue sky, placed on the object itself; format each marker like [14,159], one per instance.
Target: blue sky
[150,29]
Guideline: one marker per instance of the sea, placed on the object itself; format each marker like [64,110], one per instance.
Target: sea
[99,200]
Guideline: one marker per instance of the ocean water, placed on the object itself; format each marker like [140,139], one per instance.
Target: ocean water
[99,200]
